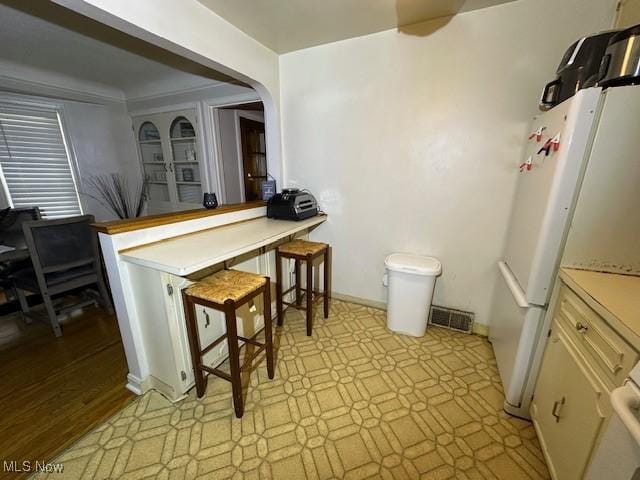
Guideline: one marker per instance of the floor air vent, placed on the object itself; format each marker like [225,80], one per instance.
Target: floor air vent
[451,318]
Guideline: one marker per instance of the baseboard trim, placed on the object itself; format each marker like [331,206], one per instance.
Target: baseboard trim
[359,300]
[134,384]
[519,412]
[478,328]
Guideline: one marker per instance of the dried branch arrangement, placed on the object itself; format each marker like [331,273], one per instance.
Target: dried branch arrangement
[112,192]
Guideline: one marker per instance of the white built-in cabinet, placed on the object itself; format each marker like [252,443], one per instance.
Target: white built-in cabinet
[584,360]
[567,407]
[161,315]
[171,160]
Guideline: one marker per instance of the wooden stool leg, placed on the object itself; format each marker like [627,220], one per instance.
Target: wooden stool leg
[325,294]
[279,288]
[309,289]
[194,344]
[268,328]
[298,286]
[234,356]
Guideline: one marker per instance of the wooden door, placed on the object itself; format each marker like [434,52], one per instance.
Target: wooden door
[254,157]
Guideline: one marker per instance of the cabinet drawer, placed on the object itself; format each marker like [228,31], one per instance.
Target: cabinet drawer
[610,353]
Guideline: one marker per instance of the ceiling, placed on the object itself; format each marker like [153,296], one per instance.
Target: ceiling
[42,36]
[287,25]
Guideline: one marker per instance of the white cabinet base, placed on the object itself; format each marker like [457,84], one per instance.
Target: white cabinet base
[584,360]
[566,409]
[160,311]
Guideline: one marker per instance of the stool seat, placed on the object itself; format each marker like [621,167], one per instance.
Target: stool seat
[302,247]
[226,285]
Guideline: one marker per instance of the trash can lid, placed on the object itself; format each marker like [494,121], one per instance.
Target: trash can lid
[415,264]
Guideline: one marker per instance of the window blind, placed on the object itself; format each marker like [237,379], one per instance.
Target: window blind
[35,163]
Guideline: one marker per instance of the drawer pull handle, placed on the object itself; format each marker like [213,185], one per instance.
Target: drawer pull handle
[556,409]
[207,322]
[581,328]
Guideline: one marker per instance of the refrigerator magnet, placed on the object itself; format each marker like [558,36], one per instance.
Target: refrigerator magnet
[528,165]
[546,148]
[537,134]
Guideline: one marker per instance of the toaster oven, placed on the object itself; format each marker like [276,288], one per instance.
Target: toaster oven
[292,204]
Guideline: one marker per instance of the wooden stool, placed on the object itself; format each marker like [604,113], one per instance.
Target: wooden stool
[226,291]
[303,251]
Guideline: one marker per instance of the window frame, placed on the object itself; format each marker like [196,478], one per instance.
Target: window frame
[35,103]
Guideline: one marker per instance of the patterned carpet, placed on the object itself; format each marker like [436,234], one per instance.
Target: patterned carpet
[354,401]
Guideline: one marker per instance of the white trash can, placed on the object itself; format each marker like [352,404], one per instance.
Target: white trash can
[410,279]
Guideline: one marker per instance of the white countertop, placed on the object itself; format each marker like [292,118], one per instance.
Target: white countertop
[616,297]
[187,254]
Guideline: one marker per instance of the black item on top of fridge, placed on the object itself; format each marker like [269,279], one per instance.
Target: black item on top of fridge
[621,61]
[578,69]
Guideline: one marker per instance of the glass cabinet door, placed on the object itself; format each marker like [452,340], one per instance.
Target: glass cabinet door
[153,164]
[170,156]
[186,162]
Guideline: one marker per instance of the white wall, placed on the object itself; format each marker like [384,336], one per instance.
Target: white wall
[213,93]
[103,143]
[411,140]
[629,14]
[23,78]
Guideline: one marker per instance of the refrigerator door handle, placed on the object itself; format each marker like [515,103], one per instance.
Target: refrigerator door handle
[624,401]
[510,279]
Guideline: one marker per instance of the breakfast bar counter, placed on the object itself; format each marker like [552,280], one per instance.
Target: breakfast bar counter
[187,254]
[149,262]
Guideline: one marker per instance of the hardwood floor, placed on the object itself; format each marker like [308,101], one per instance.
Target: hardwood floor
[54,390]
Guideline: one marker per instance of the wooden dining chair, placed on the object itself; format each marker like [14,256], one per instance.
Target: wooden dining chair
[65,257]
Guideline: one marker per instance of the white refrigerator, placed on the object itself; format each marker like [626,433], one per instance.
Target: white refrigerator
[551,171]
[575,207]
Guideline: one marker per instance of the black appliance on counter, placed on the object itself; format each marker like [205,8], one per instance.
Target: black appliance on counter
[292,204]
[621,61]
[579,68]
